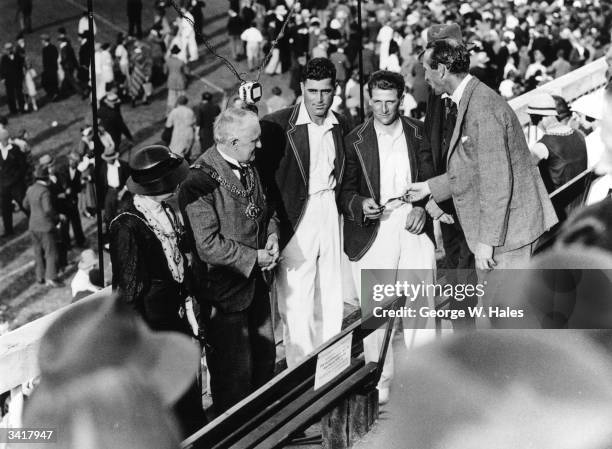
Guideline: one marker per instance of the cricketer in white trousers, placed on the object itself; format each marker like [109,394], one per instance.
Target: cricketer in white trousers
[309,279]
[393,249]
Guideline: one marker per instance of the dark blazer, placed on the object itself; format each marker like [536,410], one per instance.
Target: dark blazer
[49,58]
[222,237]
[39,202]
[13,168]
[68,59]
[141,273]
[362,180]
[11,70]
[284,164]
[496,188]
[113,123]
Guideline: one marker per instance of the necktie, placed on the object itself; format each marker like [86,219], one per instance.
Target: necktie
[450,118]
[242,170]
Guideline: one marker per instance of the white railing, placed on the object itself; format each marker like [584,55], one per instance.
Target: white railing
[18,348]
[571,86]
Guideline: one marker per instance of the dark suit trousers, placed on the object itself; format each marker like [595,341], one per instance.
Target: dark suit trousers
[241,353]
[14,96]
[459,268]
[70,208]
[111,204]
[7,195]
[45,254]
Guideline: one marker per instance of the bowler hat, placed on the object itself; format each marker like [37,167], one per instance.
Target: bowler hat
[156,170]
[103,331]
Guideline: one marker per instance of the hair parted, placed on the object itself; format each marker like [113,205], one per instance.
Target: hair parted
[231,119]
[319,69]
[386,80]
[451,54]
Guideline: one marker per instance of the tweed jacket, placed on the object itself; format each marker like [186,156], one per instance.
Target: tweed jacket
[222,236]
[496,188]
[39,202]
[284,164]
[362,180]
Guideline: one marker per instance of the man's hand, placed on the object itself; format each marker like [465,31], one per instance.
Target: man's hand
[484,257]
[273,250]
[371,210]
[418,191]
[264,259]
[415,222]
[436,213]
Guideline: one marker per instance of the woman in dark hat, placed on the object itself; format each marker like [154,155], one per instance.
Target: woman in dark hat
[145,239]
[149,267]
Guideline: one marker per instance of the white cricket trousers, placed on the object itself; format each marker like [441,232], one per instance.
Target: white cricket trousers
[309,279]
[394,249]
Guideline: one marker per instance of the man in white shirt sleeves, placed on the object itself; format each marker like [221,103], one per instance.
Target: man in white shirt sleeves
[381,231]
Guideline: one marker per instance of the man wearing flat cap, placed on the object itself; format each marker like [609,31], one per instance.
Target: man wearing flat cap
[234,233]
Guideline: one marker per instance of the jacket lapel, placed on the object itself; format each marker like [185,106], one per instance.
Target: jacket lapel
[463,104]
[224,170]
[339,146]
[298,140]
[412,145]
[366,147]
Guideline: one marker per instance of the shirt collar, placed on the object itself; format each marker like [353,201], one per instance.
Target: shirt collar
[149,203]
[397,131]
[458,93]
[6,148]
[229,159]
[304,118]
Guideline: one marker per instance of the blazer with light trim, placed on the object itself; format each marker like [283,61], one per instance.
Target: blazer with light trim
[362,180]
[284,165]
[497,190]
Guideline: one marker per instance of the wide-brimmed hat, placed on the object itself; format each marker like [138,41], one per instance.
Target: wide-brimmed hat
[103,331]
[110,154]
[542,104]
[112,98]
[155,170]
[88,260]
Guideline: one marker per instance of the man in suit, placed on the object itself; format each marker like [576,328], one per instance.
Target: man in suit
[206,113]
[134,13]
[110,116]
[234,232]
[12,72]
[302,163]
[113,176]
[440,120]
[177,71]
[42,226]
[68,178]
[49,78]
[501,201]
[69,64]
[381,231]
[13,167]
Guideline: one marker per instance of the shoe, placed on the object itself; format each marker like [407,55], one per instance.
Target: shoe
[383,396]
[53,284]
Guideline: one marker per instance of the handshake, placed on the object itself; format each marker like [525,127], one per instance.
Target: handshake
[268,258]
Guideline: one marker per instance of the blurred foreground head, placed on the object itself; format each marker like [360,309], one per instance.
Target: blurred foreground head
[109,409]
[504,390]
